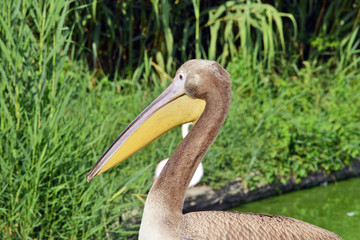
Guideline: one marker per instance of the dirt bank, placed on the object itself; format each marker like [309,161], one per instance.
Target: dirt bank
[205,198]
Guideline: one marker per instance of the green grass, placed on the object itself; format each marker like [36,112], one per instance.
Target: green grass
[57,117]
[289,125]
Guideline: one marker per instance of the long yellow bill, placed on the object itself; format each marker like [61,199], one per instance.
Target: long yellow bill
[172,108]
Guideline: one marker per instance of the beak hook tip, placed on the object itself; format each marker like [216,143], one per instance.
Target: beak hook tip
[88,177]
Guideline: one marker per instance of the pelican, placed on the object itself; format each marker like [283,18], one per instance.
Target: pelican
[200,93]
[199,171]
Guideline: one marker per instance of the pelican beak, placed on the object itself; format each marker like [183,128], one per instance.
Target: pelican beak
[172,108]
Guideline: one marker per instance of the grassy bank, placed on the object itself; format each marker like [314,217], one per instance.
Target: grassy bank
[57,117]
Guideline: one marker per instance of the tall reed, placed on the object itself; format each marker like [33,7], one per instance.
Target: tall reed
[44,147]
[127,32]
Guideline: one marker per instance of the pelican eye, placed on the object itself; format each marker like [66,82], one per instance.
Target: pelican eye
[181,77]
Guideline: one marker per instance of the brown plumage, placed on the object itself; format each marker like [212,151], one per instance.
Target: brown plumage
[162,217]
[234,225]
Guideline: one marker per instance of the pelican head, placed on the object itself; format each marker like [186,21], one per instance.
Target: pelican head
[182,102]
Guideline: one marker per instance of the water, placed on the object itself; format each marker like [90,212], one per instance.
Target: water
[335,207]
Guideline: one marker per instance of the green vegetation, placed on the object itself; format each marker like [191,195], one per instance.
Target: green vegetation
[73,75]
[289,125]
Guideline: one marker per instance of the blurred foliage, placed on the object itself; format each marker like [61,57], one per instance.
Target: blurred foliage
[74,73]
[127,35]
[120,37]
[322,24]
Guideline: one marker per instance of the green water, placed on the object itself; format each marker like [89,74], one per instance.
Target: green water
[335,207]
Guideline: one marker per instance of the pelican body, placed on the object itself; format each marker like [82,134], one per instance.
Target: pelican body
[199,93]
